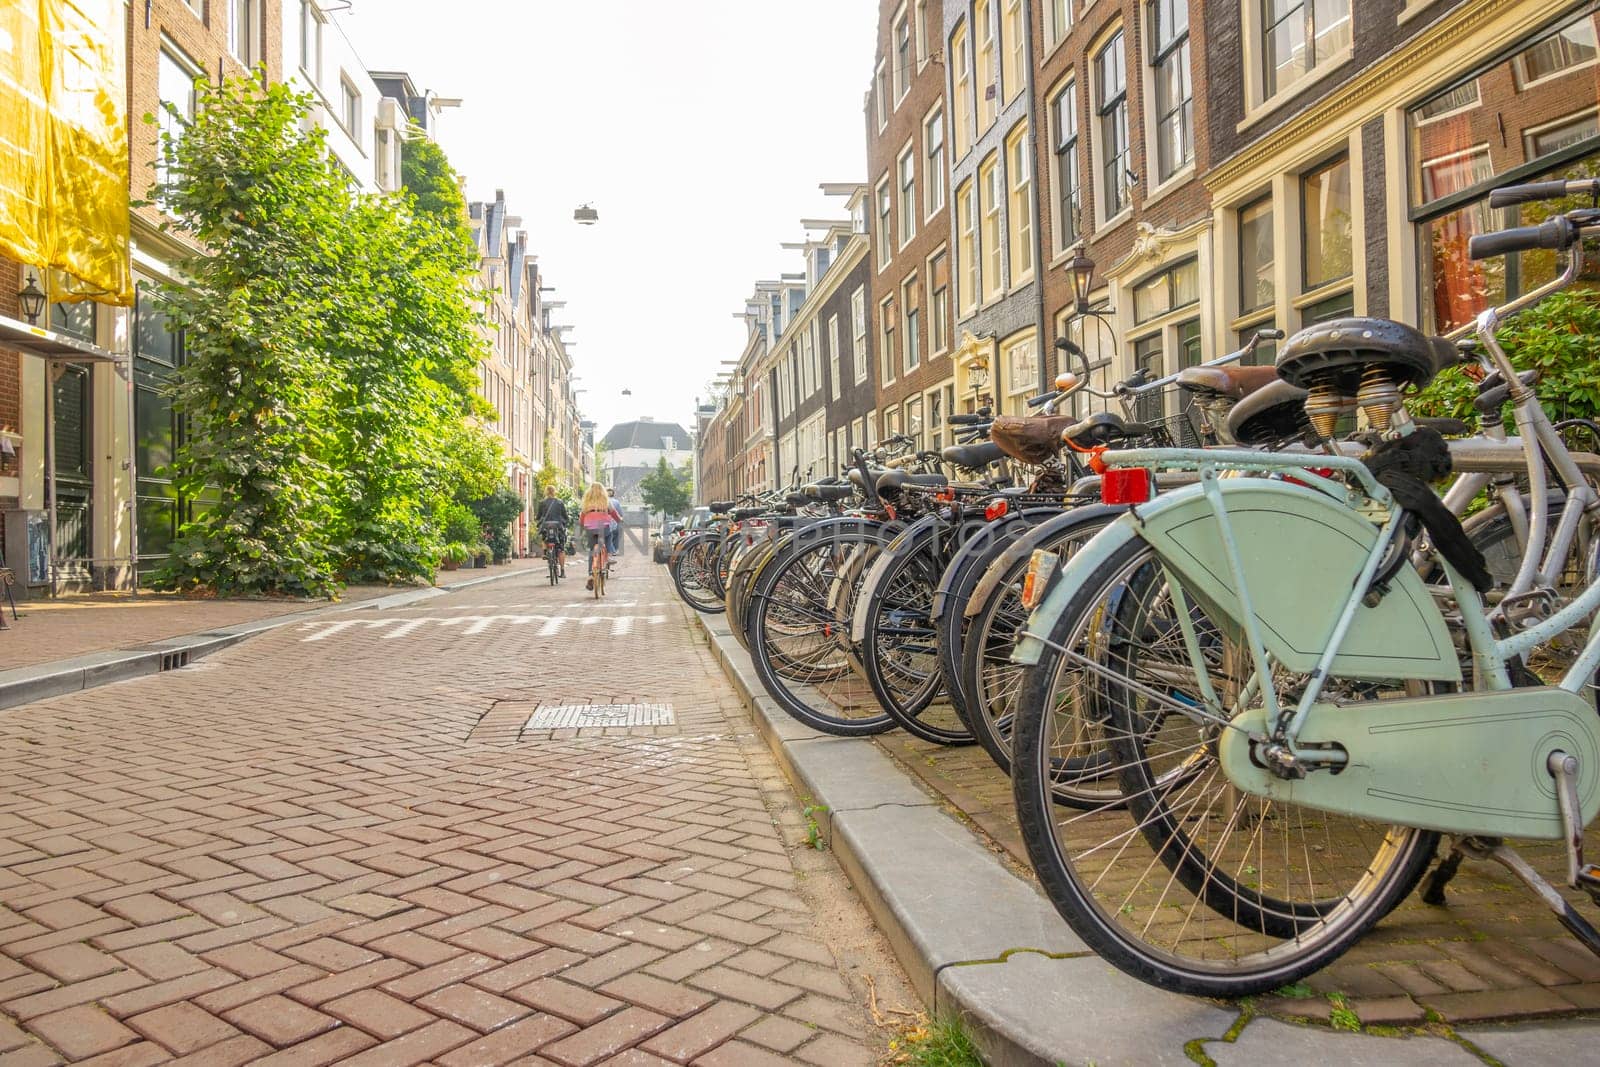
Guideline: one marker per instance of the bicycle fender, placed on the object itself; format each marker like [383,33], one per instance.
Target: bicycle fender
[1301,552]
[910,540]
[985,539]
[1023,547]
[1084,562]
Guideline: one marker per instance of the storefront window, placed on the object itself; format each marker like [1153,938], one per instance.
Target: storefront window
[1167,290]
[1529,115]
[1326,223]
[1256,284]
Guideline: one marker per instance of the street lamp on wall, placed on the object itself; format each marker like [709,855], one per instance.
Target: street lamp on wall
[32,300]
[1082,269]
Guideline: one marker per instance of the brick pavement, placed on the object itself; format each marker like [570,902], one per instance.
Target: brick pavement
[320,847]
[1492,952]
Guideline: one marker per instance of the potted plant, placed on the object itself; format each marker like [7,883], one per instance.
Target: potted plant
[480,557]
[454,555]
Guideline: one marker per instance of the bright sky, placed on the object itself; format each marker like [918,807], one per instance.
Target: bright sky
[700,132]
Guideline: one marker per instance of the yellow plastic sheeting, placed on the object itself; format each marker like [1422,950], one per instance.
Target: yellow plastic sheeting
[64,144]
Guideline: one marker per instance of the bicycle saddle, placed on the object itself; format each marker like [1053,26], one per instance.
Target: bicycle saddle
[719,506]
[830,491]
[1269,414]
[1103,428]
[1030,438]
[972,457]
[741,514]
[1229,383]
[893,480]
[1341,349]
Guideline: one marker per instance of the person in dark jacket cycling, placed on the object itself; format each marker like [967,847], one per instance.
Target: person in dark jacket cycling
[553,520]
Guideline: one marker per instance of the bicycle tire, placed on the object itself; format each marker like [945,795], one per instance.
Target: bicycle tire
[688,570]
[1299,938]
[796,602]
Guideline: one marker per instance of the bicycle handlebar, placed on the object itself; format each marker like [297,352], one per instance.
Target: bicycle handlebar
[1555,233]
[1510,195]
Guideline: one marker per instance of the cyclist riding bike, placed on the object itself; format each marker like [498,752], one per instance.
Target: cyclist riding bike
[599,516]
[553,519]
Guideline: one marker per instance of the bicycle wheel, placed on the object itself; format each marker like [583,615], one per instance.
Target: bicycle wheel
[898,642]
[961,575]
[799,628]
[993,682]
[690,569]
[1186,882]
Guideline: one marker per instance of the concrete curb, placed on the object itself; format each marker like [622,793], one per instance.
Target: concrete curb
[975,939]
[23,685]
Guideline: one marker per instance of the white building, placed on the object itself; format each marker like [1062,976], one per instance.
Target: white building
[633,450]
[364,127]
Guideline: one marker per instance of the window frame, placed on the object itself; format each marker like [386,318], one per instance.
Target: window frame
[905,192]
[1326,166]
[880,93]
[933,154]
[961,78]
[901,65]
[911,356]
[858,335]
[991,276]
[938,309]
[969,254]
[835,358]
[1159,54]
[887,325]
[1057,15]
[985,68]
[1104,108]
[1013,43]
[882,236]
[1263,91]
[1068,228]
[1020,220]
[246,15]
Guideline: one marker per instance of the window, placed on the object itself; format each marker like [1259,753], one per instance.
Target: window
[1568,48]
[858,333]
[1147,358]
[880,94]
[914,425]
[1257,287]
[988,92]
[1563,134]
[175,87]
[902,55]
[1287,26]
[1166,290]
[244,31]
[1174,92]
[961,100]
[924,28]
[885,249]
[906,169]
[1340,306]
[1019,213]
[938,303]
[989,196]
[1069,196]
[937,411]
[310,40]
[1057,21]
[1013,50]
[833,356]
[1020,358]
[1451,169]
[886,338]
[349,107]
[1325,224]
[933,148]
[1111,79]
[912,334]
[966,249]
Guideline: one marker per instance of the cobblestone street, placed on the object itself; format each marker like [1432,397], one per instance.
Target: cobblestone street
[347,842]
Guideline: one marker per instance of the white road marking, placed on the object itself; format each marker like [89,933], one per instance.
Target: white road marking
[477,625]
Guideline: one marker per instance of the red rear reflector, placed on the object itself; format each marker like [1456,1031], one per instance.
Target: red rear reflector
[1125,485]
[996,509]
[945,496]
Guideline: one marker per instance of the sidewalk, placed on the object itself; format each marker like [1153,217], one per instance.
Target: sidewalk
[78,625]
[927,837]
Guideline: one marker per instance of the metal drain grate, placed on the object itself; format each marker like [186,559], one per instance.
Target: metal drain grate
[577,716]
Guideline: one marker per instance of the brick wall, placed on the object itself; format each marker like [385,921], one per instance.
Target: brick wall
[203,43]
[927,88]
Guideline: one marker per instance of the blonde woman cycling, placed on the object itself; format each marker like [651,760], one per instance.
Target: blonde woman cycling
[598,516]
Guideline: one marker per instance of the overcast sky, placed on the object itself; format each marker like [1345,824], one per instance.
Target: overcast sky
[699,130]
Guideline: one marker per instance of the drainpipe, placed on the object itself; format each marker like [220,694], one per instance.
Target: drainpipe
[1045,377]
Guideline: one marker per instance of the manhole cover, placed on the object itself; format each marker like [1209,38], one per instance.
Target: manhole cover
[575,716]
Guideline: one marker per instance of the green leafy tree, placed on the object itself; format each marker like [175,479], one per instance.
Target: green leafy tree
[497,512]
[333,344]
[666,490]
[432,182]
